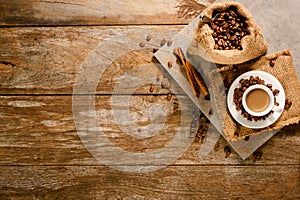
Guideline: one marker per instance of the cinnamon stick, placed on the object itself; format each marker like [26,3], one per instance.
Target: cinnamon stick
[178,52]
[192,75]
[198,80]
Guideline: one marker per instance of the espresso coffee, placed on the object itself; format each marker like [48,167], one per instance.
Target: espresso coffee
[257,100]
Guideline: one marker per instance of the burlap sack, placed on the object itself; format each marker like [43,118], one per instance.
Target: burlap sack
[253,44]
[283,70]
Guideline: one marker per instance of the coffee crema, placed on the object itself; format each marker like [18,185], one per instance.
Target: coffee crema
[257,100]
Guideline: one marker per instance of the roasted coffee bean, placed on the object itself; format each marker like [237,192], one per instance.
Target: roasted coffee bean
[169,96]
[227,151]
[151,88]
[148,38]
[163,42]
[275,92]
[170,64]
[217,146]
[169,42]
[236,133]
[203,139]
[247,138]
[288,104]
[142,44]
[256,155]
[175,107]
[229,26]
[272,63]
[155,50]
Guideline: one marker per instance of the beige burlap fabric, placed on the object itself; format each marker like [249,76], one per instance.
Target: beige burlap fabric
[253,44]
[283,70]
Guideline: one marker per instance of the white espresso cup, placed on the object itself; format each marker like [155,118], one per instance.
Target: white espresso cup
[258,100]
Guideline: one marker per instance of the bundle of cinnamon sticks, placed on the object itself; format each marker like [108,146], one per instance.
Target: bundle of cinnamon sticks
[194,78]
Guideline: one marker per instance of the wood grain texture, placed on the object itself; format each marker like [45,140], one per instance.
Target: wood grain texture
[40,130]
[41,154]
[47,60]
[98,12]
[181,182]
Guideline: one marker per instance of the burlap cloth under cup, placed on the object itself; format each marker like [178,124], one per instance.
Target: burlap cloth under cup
[283,70]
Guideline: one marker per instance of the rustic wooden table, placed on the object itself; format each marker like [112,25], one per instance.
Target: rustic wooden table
[42,46]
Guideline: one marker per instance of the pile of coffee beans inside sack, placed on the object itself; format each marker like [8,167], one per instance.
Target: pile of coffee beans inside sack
[229,28]
[238,95]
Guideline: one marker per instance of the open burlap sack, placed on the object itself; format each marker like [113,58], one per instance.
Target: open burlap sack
[253,44]
[283,70]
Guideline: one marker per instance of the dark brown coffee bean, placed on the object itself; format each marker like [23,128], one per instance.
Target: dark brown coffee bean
[220,43]
[142,44]
[257,155]
[272,63]
[276,91]
[203,139]
[151,88]
[232,13]
[213,26]
[247,138]
[163,42]
[227,151]
[288,104]
[155,50]
[175,106]
[169,43]
[169,96]
[217,146]
[170,64]
[236,134]
[269,85]
[148,38]
[233,37]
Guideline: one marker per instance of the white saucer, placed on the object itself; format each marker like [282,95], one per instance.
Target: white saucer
[280,98]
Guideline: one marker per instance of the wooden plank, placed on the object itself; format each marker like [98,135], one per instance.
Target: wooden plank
[181,182]
[40,130]
[98,12]
[47,60]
